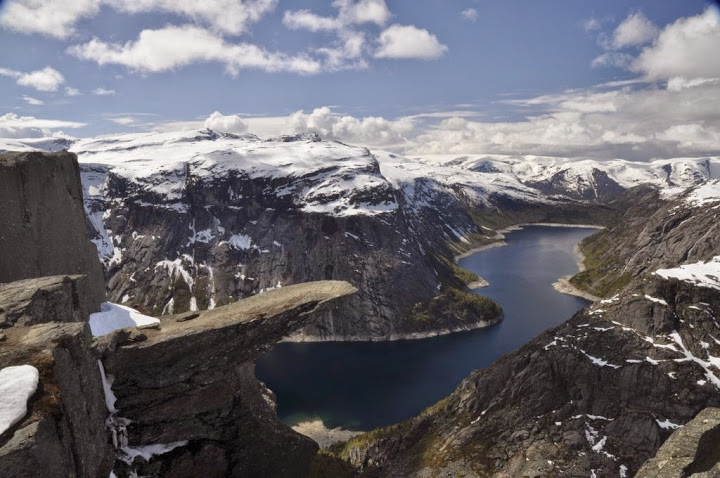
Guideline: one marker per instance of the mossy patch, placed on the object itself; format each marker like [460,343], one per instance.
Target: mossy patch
[454,307]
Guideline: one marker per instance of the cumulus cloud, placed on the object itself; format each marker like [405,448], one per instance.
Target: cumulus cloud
[226,124]
[637,124]
[680,52]
[69,91]
[469,14]
[635,30]
[14,126]
[55,18]
[371,130]
[351,47]
[687,48]
[47,79]
[407,41]
[349,13]
[58,18]
[174,47]
[613,58]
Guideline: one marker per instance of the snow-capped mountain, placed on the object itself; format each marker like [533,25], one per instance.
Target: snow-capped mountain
[190,220]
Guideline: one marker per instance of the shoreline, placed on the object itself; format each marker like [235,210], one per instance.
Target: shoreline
[300,338]
[325,437]
[499,239]
[564,286]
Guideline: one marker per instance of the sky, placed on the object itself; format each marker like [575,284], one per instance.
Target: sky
[573,78]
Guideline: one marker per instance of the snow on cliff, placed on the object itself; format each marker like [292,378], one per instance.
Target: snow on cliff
[115,317]
[702,274]
[17,385]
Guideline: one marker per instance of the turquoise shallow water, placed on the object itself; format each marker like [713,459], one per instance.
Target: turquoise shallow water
[367,385]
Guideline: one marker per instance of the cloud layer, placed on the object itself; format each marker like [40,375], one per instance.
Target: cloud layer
[208,32]
[14,126]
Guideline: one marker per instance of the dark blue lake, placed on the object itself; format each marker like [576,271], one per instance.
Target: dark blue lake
[360,386]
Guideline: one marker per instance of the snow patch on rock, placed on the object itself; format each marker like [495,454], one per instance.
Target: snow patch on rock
[17,385]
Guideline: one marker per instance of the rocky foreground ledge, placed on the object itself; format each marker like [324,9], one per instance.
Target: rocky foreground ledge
[180,400]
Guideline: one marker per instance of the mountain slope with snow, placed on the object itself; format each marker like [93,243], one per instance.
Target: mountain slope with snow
[190,220]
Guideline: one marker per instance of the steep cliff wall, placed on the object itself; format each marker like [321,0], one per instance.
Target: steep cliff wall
[600,393]
[177,400]
[42,222]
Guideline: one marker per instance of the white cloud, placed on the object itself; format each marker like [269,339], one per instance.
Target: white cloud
[58,18]
[226,124]
[635,30]
[613,58]
[47,79]
[174,47]
[350,13]
[350,50]
[32,101]
[633,124]
[470,14]
[14,126]
[682,52]
[371,130]
[103,92]
[306,20]
[407,41]
[54,18]
[227,16]
[687,48]
[364,11]
[592,24]
[10,73]
[123,120]
[69,91]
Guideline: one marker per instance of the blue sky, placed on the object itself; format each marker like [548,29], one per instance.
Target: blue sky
[420,76]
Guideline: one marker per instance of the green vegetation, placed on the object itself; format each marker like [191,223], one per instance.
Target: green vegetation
[463,275]
[454,305]
[600,277]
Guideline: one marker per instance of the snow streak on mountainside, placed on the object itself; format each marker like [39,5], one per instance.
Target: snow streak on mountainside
[190,220]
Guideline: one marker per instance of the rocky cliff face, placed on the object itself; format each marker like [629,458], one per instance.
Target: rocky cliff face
[178,400]
[43,229]
[196,219]
[596,395]
[655,232]
[690,451]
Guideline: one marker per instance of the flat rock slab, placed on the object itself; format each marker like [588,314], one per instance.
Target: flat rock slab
[45,299]
[693,450]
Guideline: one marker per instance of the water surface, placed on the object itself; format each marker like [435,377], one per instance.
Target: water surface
[367,385]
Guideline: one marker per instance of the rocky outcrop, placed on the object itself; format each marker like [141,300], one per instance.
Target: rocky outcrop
[651,234]
[64,430]
[186,392]
[691,451]
[192,384]
[177,400]
[44,227]
[46,299]
[597,395]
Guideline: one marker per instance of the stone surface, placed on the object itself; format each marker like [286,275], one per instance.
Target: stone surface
[598,394]
[194,381]
[64,430]
[45,299]
[43,229]
[693,450]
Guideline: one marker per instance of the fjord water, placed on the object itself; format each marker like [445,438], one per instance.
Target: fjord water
[360,386]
